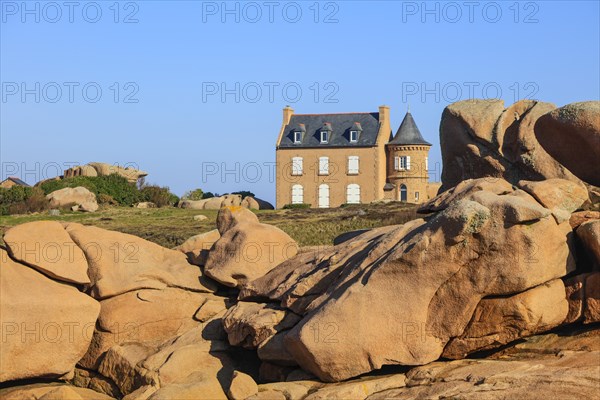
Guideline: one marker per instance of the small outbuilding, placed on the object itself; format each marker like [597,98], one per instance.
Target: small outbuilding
[12,181]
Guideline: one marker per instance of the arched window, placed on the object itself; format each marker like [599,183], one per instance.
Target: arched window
[297,194]
[403,193]
[353,194]
[323,196]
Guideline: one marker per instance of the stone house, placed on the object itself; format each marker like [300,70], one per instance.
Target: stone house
[327,160]
[12,181]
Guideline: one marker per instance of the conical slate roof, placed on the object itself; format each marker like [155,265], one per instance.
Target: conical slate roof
[408,133]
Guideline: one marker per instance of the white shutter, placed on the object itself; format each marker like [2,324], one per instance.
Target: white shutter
[397,163]
[297,166]
[297,194]
[353,165]
[407,162]
[324,196]
[426,164]
[324,166]
[353,194]
[402,163]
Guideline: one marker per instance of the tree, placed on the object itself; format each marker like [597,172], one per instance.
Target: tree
[244,193]
[196,194]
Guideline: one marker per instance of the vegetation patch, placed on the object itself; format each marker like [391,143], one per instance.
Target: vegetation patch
[169,226]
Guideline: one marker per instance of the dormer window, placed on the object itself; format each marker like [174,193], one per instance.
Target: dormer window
[297,137]
[325,132]
[355,132]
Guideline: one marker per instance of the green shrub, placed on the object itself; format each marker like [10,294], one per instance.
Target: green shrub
[114,185]
[37,201]
[104,198]
[21,200]
[118,187]
[173,198]
[195,194]
[209,195]
[14,195]
[161,196]
[296,206]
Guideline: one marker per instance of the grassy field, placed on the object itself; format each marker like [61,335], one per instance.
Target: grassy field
[169,227]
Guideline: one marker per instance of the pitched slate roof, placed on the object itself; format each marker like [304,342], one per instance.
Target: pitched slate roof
[408,133]
[341,125]
[17,181]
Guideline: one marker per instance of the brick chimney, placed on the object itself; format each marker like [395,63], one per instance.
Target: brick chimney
[384,115]
[384,121]
[287,114]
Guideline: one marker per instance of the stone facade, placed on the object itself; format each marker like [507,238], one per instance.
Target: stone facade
[410,184]
[327,160]
[12,181]
[338,179]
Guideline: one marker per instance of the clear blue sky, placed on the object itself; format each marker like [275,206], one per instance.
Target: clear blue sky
[172,56]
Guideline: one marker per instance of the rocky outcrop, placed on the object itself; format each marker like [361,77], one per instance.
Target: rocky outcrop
[490,260]
[480,244]
[255,203]
[242,386]
[216,203]
[566,375]
[229,217]
[583,296]
[46,325]
[482,138]
[246,249]
[557,364]
[557,195]
[571,135]
[498,321]
[192,204]
[589,235]
[119,263]
[197,247]
[47,247]
[145,204]
[146,317]
[250,324]
[103,169]
[213,203]
[579,217]
[51,391]
[80,197]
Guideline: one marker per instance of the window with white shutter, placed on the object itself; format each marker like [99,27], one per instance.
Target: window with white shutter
[403,163]
[353,165]
[323,196]
[297,194]
[297,166]
[353,194]
[397,163]
[426,164]
[323,165]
